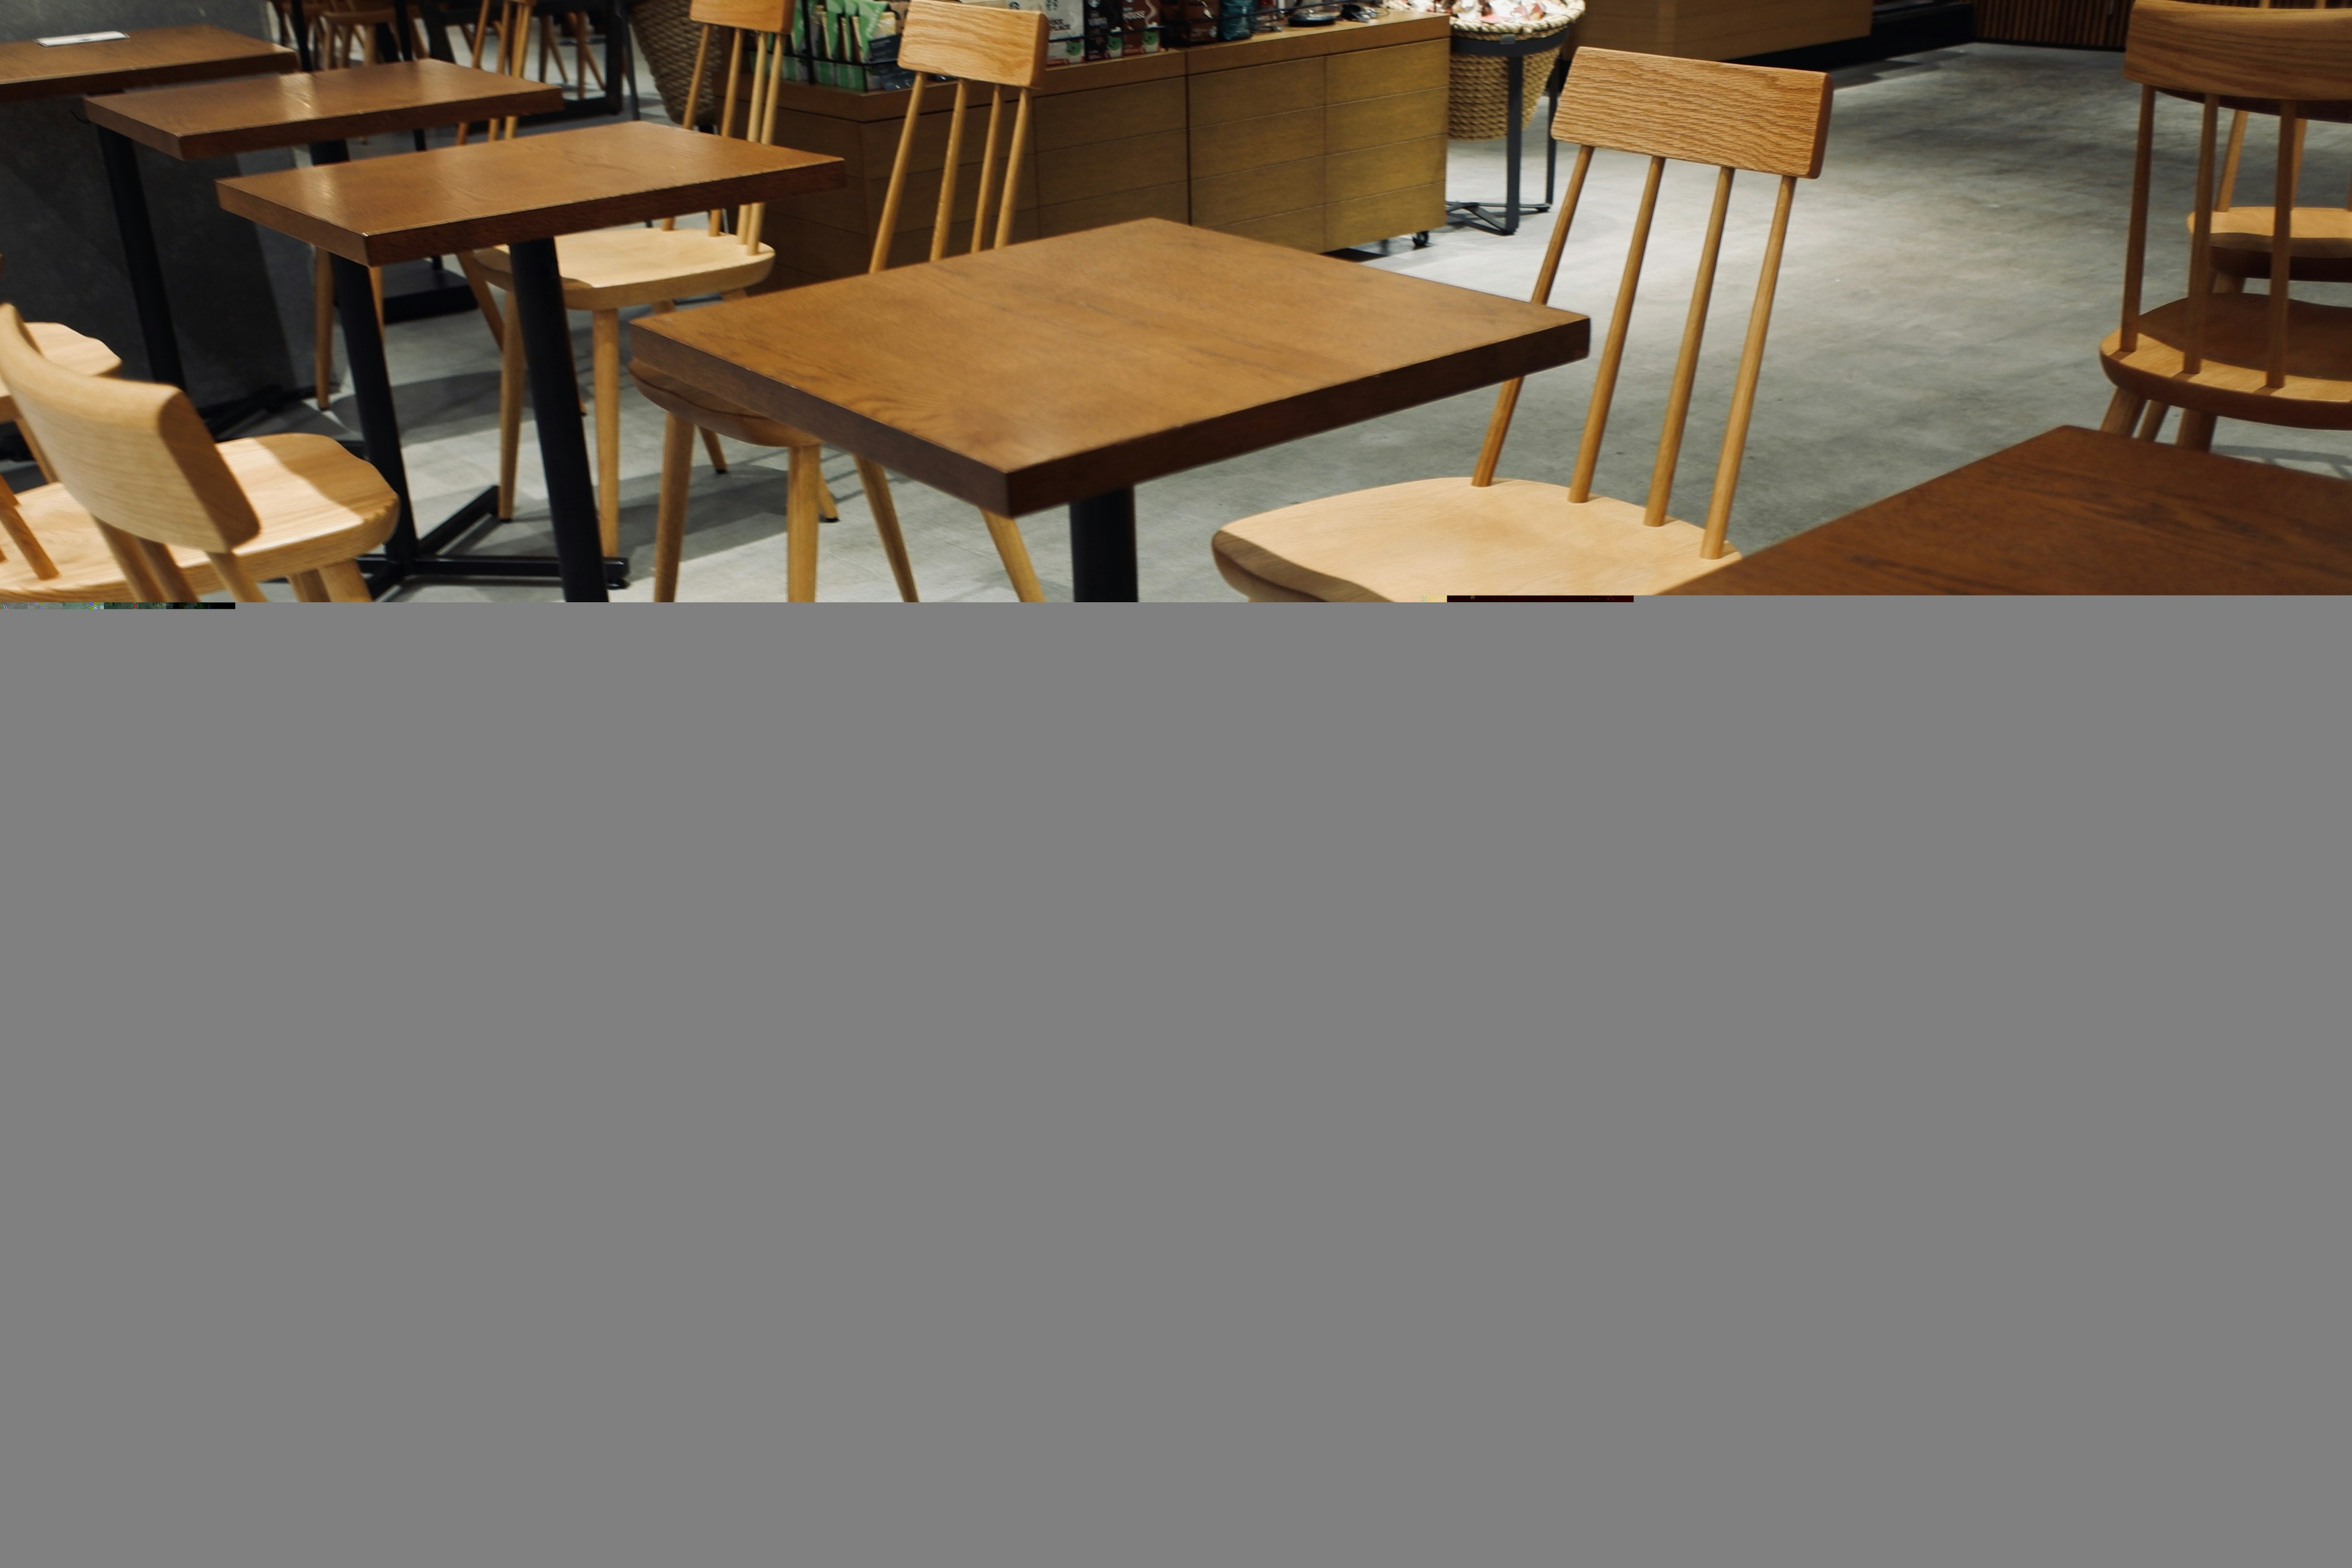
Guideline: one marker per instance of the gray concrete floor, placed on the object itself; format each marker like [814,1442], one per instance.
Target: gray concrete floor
[1948,282]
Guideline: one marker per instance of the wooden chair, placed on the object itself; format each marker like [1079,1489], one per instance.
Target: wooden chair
[148,510]
[64,346]
[998,48]
[606,271]
[2271,358]
[1432,538]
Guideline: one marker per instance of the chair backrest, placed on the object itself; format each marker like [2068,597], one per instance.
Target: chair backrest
[999,48]
[1733,117]
[139,460]
[2289,58]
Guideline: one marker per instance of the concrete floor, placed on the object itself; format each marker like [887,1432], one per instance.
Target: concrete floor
[1948,282]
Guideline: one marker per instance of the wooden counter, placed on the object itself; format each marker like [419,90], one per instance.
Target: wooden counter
[1719,29]
[1315,138]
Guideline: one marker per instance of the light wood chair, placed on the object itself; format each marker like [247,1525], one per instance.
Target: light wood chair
[997,48]
[2271,358]
[609,271]
[62,345]
[148,510]
[1434,537]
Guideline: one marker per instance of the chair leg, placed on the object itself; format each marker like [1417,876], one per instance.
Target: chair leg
[885,523]
[1015,552]
[2122,410]
[2151,424]
[669,525]
[376,282]
[322,326]
[308,587]
[827,507]
[608,429]
[710,445]
[2196,430]
[510,389]
[346,584]
[484,298]
[802,484]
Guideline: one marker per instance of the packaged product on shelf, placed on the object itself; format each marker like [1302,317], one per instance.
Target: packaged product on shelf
[1233,19]
[1141,20]
[1066,29]
[1185,22]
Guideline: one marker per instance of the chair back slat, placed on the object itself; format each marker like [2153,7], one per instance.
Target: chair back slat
[944,218]
[1751,370]
[2282,244]
[135,456]
[2136,246]
[2240,52]
[1678,401]
[976,43]
[1612,350]
[1506,401]
[1696,112]
[2200,241]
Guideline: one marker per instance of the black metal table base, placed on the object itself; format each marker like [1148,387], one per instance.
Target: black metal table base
[1480,215]
[1102,547]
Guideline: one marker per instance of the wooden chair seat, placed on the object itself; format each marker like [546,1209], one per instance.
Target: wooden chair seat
[319,506]
[1432,538]
[68,348]
[614,268]
[2321,242]
[2317,395]
[708,410]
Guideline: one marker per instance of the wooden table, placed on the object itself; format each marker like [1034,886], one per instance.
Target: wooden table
[522,194]
[1069,370]
[2074,511]
[261,113]
[30,70]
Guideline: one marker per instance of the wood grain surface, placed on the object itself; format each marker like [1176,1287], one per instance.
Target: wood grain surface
[2317,391]
[146,58]
[1742,117]
[2073,512]
[2245,53]
[382,210]
[1023,378]
[252,114]
[978,43]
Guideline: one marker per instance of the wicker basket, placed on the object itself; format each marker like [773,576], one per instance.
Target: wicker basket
[1480,106]
[666,38]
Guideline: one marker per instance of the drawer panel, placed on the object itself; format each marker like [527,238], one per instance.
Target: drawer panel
[1112,113]
[1378,73]
[1253,143]
[1171,201]
[1373,122]
[1384,217]
[1370,170]
[1096,169]
[1257,193]
[1255,91]
[1301,230]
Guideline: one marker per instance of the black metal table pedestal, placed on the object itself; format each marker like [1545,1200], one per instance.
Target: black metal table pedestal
[140,258]
[538,315]
[1515,51]
[1102,547]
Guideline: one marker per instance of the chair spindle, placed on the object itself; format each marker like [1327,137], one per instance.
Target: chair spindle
[1751,369]
[1613,353]
[1670,443]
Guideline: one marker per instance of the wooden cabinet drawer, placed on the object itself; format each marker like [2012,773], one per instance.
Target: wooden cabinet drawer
[1250,144]
[1372,122]
[1111,114]
[1099,168]
[1370,170]
[1171,201]
[1384,216]
[1378,73]
[1301,230]
[1254,92]
[1257,193]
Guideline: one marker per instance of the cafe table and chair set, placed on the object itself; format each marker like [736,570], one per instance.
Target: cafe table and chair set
[1064,371]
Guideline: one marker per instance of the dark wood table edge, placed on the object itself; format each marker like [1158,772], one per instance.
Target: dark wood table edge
[281,61]
[527,98]
[411,244]
[1081,477]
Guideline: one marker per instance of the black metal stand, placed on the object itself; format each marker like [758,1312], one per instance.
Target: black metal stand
[406,556]
[1102,547]
[140,258]
[538,315]
[1477,215]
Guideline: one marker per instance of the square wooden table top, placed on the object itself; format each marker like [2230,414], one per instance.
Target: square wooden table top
[2074,511]
[413,205]
[149,58]
[253,114]
[1072,368]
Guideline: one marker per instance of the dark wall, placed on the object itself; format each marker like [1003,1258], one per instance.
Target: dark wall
[240,294]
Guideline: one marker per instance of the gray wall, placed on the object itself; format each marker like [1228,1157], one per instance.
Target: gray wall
[240,294]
